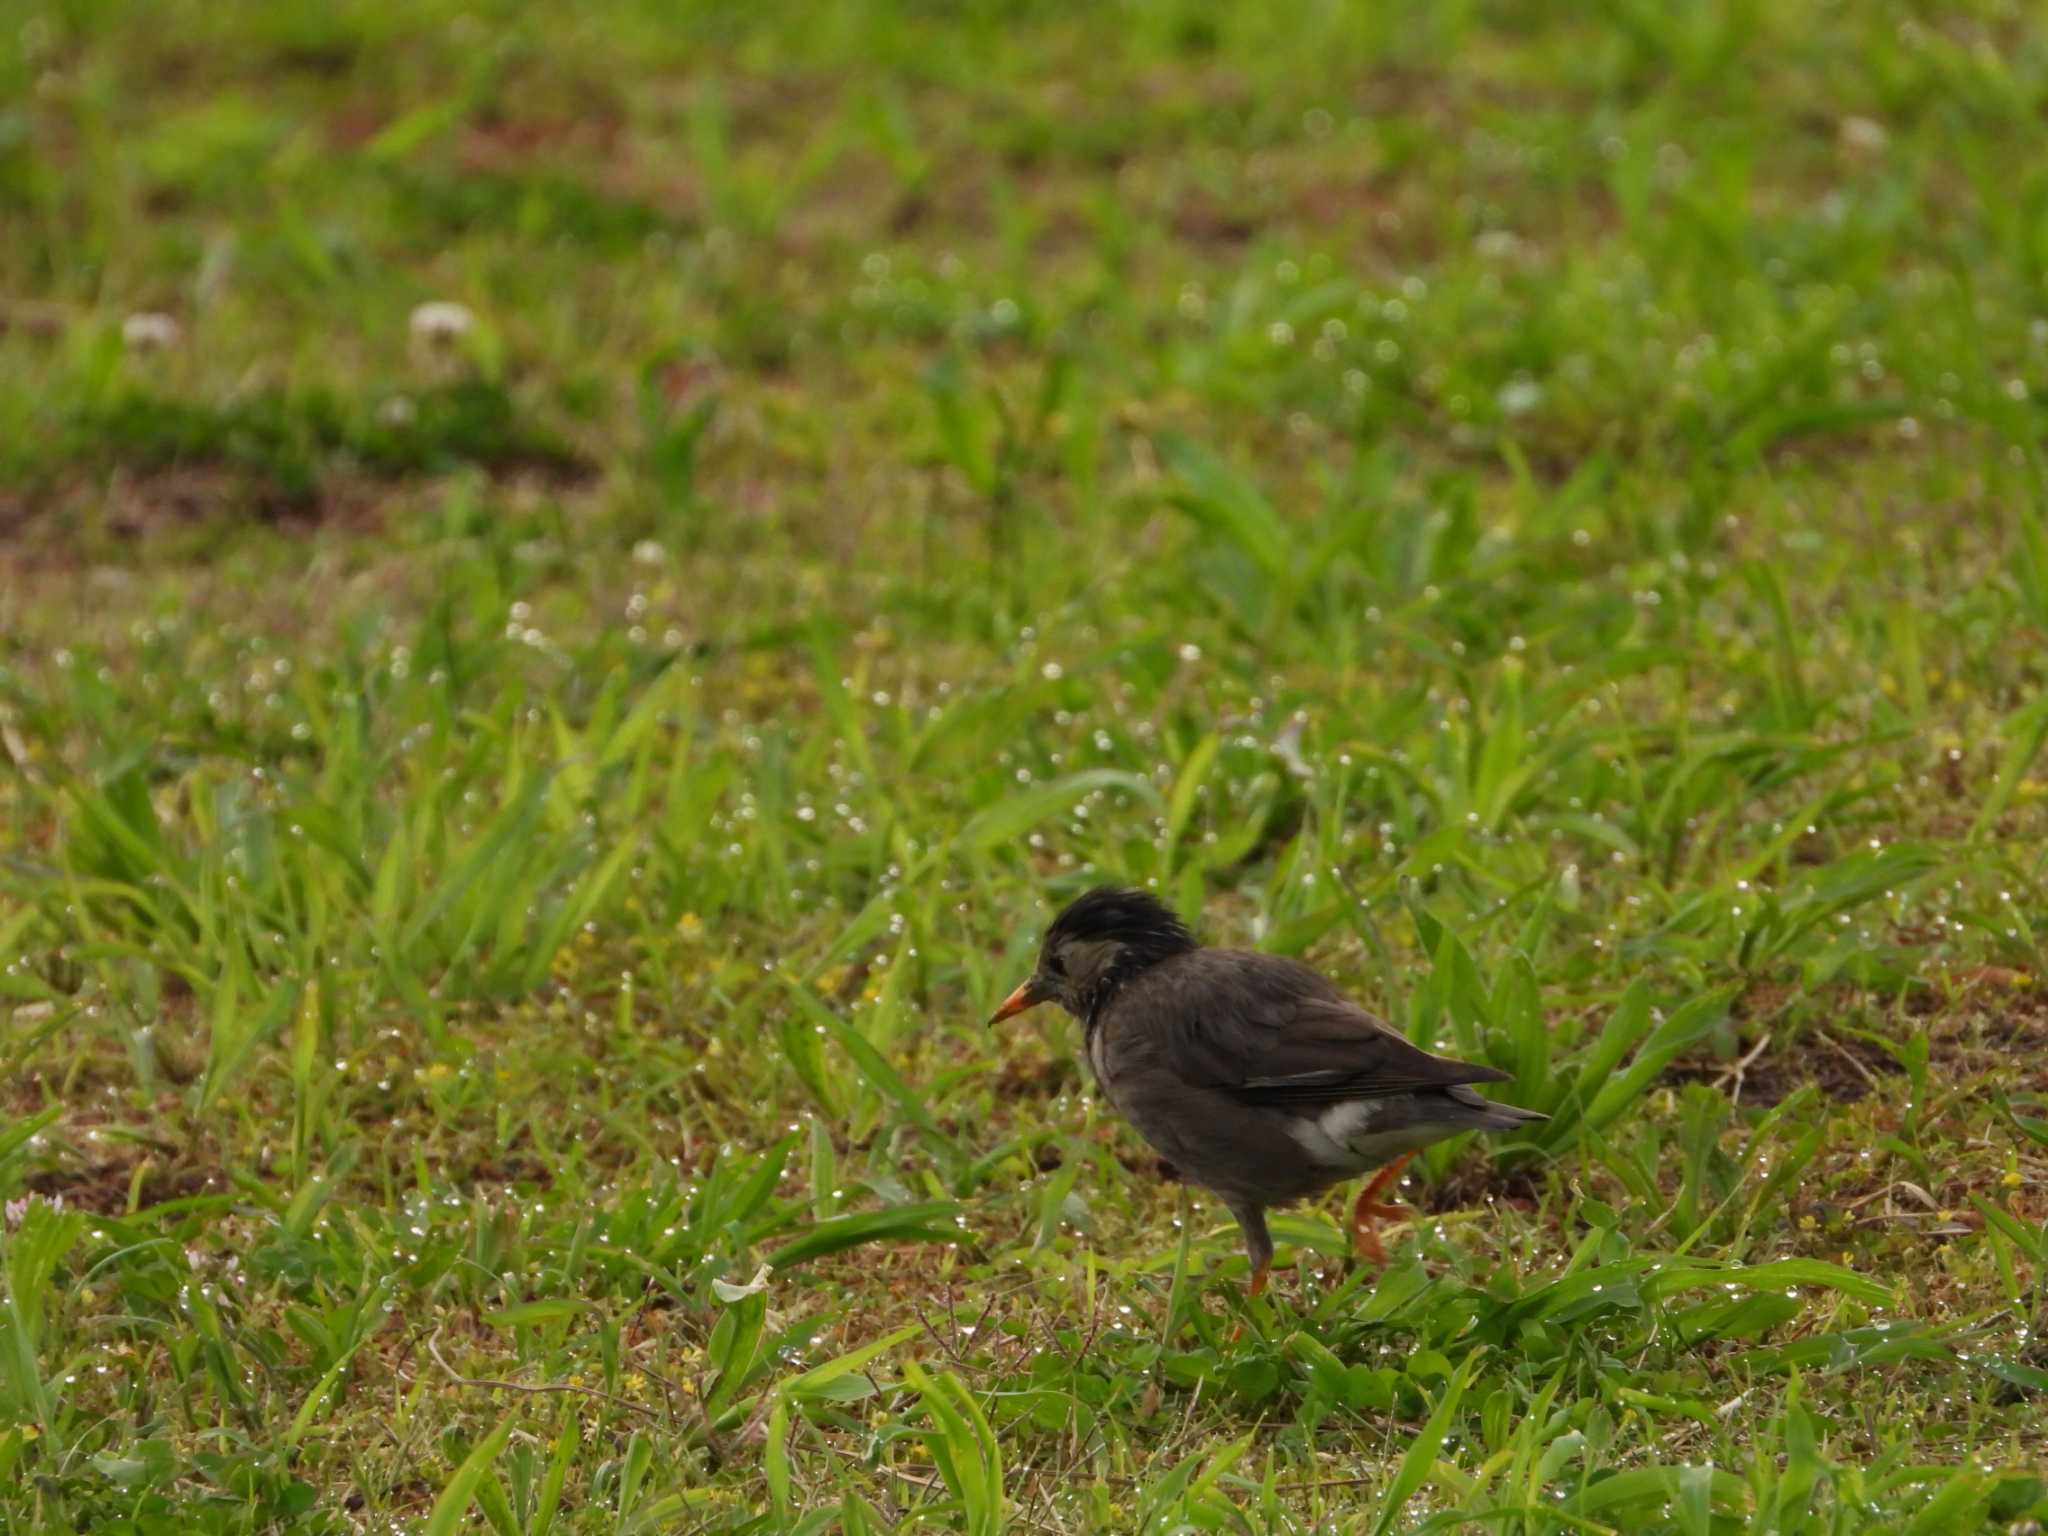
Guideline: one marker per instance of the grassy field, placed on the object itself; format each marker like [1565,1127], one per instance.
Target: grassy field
[512,817]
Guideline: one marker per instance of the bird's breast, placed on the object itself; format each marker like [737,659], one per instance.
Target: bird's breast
[1098,1058]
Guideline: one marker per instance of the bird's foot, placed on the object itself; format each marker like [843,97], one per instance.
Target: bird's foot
[1377,1185]
[1367,1241]
[1256,1288]
[1370,1210]
[1365,1234]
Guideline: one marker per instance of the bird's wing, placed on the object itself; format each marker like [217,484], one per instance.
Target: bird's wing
[1272,1032]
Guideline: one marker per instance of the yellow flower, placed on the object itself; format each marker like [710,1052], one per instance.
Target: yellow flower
[690,926]
[2012,1179]
[435,1071]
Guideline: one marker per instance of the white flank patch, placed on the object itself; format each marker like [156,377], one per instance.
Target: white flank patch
[1329,1136]
[1341,1136]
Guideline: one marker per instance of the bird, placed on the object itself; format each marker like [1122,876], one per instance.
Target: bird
[1249,1073]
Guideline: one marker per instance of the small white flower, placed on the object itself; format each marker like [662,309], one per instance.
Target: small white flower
[441,322]
[17,1210]
[398,411]
[1863,135]
[728,1292]
[149,331]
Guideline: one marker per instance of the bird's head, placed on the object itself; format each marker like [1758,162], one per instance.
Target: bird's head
[1101,938]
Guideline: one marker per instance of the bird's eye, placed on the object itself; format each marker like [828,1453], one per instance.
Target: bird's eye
[1055,966]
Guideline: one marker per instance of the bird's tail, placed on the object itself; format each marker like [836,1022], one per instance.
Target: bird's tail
[1488,1116]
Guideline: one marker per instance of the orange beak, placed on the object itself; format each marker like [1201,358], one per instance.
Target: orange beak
[1024,997]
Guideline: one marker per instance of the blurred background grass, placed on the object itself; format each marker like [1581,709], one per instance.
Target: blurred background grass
[577,582]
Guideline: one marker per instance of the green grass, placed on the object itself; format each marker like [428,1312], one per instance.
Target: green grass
[506,844]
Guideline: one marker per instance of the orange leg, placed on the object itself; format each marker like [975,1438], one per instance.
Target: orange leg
[1370,1209]
[1258,1285]
[1258,1248]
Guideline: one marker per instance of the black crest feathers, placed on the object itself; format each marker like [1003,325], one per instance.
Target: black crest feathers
[1136,919]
